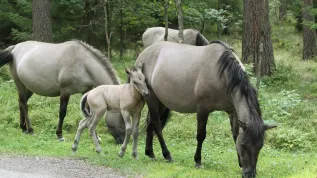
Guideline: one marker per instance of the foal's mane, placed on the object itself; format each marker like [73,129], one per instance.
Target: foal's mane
[201,40]
[103,59]
[238,80]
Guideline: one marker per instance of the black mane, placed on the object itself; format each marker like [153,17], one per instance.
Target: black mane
[238,80]
[201,40]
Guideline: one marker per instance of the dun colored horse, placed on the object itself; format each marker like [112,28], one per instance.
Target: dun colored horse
[126,98]
[156,34]
[202,79]
[62,69]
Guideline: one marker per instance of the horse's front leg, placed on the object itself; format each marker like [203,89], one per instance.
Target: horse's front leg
[234,128]
[128,131]
[135,130]
[202,117]
[64,98]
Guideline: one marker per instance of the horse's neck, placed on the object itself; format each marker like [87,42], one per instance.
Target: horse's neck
[241,106]
[134,92]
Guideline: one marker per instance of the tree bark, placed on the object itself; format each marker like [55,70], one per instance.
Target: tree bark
[121,30]
[180,20]
[166,19]
[282,10]
[309,48]
[41,20]
[106,4]
[256,44]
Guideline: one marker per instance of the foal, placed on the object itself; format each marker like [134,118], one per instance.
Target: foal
[127,98]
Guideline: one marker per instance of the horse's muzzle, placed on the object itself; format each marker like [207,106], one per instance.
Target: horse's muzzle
[145,94]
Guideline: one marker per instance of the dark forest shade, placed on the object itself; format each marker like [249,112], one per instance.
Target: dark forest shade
[309,49]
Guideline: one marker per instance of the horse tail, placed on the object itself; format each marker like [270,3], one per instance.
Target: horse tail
[201,40]
[6,56]
[84,107]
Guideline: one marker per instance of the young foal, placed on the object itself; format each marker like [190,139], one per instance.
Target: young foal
[127,98]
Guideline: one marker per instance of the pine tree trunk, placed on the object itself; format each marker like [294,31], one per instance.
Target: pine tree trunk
[180,20]
[166,19]
[41,20]
[106,28]
[282,10]
[256,44]
[309,50]
[121,31]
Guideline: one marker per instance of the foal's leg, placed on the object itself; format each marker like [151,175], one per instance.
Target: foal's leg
[202,117]
[82,125]
[98,113]
[135,130]
[234,128]
[128,131]
[64,98]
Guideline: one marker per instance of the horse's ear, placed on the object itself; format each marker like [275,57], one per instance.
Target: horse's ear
[267,127]
[243,125]
[127,71]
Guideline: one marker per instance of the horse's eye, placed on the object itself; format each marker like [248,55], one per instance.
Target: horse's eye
[134,82]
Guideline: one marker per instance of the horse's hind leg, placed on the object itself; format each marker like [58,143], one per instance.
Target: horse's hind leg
[64,98]
[24,96]
[81,126]
[202,117]
[128,131]
[92,126]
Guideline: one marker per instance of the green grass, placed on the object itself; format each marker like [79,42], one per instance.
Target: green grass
[288,98]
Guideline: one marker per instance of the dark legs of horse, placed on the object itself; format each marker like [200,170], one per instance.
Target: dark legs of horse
[155,125]
[25,123]
[202,117]
[64,98]
[234,128]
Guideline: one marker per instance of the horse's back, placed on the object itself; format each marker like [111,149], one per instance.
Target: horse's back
[42,67]
[181,75]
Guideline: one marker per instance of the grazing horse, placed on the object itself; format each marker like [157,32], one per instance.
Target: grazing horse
[62,69]
[126,98]
[156,34]
[192,79]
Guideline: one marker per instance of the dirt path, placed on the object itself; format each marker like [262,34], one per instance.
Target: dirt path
[48,167]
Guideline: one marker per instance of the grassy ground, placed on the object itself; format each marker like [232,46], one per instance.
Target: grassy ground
[288,99]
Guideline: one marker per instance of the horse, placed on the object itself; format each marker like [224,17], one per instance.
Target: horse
[126,98]
[62,69]
[202,79]
[156,34]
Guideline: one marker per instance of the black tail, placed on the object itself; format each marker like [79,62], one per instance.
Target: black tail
[5,56]
[201,40]
[83,108]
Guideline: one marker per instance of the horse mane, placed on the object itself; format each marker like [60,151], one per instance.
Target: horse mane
[239,80]
[201,40]
[103,59]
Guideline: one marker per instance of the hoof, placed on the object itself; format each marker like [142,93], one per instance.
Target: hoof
[169,160]
[135,155]
[98,151]
[25,132]
[61,139]
[121,154]
[30,130]
[199,166]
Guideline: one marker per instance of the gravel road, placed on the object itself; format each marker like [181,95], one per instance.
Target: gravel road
[48,167]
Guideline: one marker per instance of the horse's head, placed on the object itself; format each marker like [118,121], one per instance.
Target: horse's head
[138,80]
[248,146]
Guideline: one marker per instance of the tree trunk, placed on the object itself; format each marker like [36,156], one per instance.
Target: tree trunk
[106,28]
[218,23]
[180,20]
[256,44]
[309,50]
[282,10]
[166,19]
[121,31]
[41,20]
